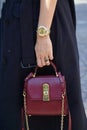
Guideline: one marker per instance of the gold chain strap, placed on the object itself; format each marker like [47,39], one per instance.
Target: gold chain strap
[26,116]
[62,111]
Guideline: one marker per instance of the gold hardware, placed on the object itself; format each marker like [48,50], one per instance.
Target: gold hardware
[46,92]
[56,74]
[34,75]
[62,111]
[24,94]
[26,116]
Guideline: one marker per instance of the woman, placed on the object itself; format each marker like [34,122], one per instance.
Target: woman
[23,46]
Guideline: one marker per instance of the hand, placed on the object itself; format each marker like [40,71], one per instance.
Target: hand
[44,51]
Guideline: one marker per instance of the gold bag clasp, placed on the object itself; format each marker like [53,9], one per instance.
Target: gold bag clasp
[46,92]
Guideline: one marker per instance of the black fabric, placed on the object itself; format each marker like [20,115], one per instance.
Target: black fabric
[52,122]
[26,21]
[72,8]
[18,36]
[0,36]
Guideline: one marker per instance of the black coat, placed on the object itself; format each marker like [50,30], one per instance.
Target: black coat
[18,36]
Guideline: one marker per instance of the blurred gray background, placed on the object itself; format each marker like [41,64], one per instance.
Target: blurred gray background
[81,13]
[1,2]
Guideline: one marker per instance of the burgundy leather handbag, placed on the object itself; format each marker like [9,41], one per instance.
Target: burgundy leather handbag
[45,95]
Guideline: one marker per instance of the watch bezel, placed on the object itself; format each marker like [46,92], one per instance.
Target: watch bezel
[43,31]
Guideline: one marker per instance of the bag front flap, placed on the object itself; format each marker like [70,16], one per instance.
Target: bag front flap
[50,85]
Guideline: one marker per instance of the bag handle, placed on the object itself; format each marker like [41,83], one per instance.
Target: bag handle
[52,64]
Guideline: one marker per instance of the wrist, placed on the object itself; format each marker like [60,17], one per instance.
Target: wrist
[42,38]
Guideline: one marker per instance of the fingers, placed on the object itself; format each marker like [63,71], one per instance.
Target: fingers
[39,63]
[50,54]
[43,61]
[47,61]
[44,51]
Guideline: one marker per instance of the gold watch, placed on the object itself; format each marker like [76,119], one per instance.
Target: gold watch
[43,31]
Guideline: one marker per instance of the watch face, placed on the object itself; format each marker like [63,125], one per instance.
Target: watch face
[42,32]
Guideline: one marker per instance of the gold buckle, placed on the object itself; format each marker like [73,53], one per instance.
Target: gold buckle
[46,92]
